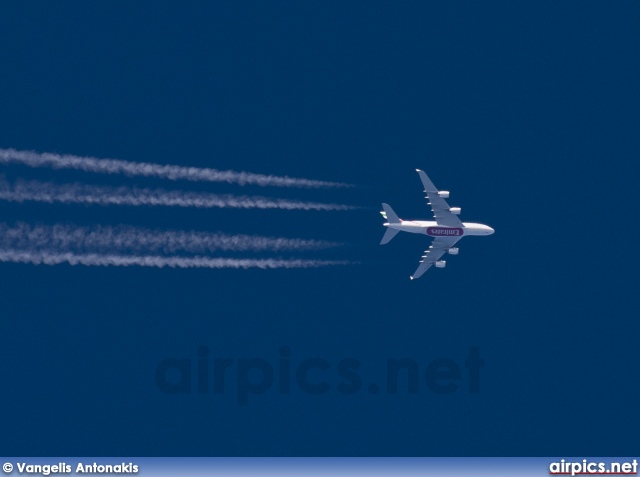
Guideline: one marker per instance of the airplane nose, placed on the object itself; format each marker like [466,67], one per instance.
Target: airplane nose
[490,230]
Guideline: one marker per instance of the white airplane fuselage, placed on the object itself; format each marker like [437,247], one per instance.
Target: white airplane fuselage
[432,229]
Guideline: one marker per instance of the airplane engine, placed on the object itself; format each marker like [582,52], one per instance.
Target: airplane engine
[444,194]
[453,251]
[441,264]
[455,210]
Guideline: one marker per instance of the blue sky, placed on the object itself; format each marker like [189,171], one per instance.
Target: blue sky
[527,112]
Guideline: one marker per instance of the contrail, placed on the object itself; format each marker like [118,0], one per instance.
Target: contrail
[117,166]
[131,239]
[25,191]
[99,260]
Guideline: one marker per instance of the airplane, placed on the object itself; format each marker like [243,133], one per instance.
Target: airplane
[447,228]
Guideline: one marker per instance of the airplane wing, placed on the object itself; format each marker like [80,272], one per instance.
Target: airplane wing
[438,205]
[438,248]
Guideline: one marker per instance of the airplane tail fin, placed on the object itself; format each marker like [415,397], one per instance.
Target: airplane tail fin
[390,215]
[391,218]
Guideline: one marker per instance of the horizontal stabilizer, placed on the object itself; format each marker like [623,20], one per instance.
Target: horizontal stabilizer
[390,214]
[388,235]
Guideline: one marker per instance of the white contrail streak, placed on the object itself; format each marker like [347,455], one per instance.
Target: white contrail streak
[99,260]
[101,238]
[25,191]
[117,166]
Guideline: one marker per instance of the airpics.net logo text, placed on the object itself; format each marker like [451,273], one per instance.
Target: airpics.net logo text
[590,467]
[283,374]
